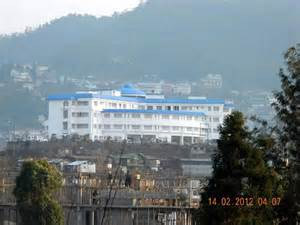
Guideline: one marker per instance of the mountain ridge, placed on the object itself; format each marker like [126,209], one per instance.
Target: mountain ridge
[176,39]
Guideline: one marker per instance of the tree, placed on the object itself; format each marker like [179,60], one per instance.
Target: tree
[239,172]
[287,107]
[34,194]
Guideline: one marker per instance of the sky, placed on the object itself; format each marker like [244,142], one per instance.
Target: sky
[17,15]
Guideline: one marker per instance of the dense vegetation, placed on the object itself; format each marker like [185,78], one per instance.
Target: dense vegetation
[261,163]
[34,193]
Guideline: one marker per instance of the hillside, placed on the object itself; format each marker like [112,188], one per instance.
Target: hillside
[176,39]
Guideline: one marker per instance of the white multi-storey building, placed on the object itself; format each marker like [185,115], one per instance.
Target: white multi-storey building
[130,114]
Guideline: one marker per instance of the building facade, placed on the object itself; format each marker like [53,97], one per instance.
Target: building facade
[131,114]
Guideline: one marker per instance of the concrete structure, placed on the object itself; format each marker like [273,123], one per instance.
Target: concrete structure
[80,167]
[165,88]
[131,114]
[201,167]
[213,81]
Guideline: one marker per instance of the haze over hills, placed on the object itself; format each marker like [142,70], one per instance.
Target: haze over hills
[175,39]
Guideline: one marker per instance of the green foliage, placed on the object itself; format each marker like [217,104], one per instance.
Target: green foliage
[287,106]
[34,190]
[240,170]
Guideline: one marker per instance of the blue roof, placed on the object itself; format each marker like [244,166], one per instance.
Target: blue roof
[167,112]
[69,96]
[128,89]
[185,101]
[138,100]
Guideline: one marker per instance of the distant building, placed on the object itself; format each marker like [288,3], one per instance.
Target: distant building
[151,88]
[20,77]
[182,89]
[212,81]
[159,88]
[198,167]
[58,163]
[135,116]
[80,167]
[132,161]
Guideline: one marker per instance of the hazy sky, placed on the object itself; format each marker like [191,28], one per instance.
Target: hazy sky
[16,15]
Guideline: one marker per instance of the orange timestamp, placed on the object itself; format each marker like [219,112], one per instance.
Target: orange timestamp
[244,201]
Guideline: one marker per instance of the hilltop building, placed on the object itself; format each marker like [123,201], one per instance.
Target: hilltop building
[131,114]
[212,81]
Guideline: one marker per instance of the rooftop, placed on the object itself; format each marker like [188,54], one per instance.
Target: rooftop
[131,94]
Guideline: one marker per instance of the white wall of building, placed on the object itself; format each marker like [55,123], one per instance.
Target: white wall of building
[89,116]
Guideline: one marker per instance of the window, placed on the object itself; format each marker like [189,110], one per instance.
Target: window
[209,108]
[176,128]
[165,127]
[176,108]
[135,115]
[95,103]
[135,127]
[95,126]
[106,126]
[189,129]
[65,114]
[73,102]
[198,118]
[215,130]
[189,117]
[73,126]
[175,117]
[99,126]
[159,107]
[82,103]
[106,115]
[216,108]
[148,127]
[168,107]
[149,107]
[184,107]
[141,107]
[204,130]
[196,129]
[65,125]
[165,117]
[216,119]
[118,115]
[66,103]
[114,105]
[80,114]
[82,126]
[83,114]
[148,116]
[118,126]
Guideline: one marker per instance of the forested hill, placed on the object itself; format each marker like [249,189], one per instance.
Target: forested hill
[176,39]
